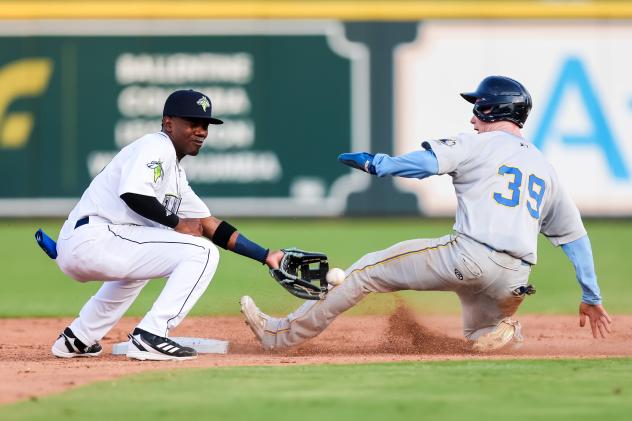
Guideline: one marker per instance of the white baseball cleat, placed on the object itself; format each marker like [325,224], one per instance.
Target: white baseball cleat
[255,318]
[68,346]
[507,333]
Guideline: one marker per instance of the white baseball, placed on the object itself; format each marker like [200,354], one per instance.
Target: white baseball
[335,276]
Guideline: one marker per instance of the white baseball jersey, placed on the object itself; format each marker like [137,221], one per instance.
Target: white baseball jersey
[148,166]
[507,193]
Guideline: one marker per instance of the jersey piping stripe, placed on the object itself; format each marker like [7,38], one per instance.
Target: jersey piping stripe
[401,256]
[276,332]
[388,259]
[208,255]
[152,242]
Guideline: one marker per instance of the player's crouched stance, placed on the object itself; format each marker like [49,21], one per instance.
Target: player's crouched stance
[138,220]
[507,193]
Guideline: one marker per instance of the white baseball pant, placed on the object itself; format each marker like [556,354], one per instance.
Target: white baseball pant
[126,257]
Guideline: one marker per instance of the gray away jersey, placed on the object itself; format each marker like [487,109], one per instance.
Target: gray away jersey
[507,193]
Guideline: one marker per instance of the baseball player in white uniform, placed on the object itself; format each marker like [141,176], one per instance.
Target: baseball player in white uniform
[507,193]
[139,219]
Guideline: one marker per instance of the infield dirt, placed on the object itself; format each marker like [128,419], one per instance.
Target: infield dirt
[29,370]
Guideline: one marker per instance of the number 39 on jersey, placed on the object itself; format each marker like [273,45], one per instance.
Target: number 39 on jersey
[511,197]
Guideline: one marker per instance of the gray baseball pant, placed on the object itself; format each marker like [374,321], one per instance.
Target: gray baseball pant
[484,280]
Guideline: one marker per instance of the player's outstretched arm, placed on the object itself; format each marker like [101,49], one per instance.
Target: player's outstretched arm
[227,237]
[417,164]
[579,253]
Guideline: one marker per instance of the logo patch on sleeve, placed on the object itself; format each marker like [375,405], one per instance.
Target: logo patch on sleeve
[448,142]
[157,167]
[171,204]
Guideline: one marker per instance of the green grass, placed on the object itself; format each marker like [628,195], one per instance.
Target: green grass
[32,285]
[458,390]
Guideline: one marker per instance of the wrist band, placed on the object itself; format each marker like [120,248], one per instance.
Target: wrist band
[222,234]
[247,248]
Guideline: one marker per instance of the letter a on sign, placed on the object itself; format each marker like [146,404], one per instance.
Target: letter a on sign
[574,76]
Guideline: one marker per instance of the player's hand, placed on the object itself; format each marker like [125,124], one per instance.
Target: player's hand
[274,259]
[597,316]
[362,161]
[191,226]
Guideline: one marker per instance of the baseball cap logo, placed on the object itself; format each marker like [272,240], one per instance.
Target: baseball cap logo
[204,103]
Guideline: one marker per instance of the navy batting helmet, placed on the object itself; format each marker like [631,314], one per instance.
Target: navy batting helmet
[500,98]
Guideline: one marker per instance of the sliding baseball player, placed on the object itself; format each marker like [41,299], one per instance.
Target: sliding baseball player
[507,194]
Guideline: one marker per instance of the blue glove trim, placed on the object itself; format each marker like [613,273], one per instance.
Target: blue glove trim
[46,243]
[362,161]
[579,253]
[247,248]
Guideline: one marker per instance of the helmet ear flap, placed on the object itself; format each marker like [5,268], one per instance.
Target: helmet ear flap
[479,112]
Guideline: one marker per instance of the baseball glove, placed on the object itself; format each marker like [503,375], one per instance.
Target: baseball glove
[298,272]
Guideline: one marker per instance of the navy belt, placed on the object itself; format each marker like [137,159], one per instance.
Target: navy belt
[522,262]
[82,221]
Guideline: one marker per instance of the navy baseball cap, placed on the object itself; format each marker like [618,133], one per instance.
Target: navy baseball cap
[189,104]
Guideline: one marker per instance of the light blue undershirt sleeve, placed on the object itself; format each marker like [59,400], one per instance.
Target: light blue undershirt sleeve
[580,253]
[417,164]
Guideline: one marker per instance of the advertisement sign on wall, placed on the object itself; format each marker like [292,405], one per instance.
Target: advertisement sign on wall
[293,96]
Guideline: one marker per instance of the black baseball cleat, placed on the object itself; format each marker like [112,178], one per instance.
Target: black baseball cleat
[143,345]
[68,346]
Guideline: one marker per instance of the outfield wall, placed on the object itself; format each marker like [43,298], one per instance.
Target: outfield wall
[300,82]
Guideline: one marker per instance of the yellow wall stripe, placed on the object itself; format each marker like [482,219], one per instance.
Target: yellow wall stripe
[345,10]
